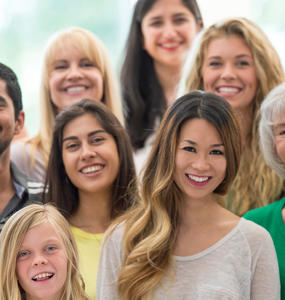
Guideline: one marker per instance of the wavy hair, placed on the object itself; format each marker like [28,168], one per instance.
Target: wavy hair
[151,227]
[90,46]
[11,239]
[264,185]
[271,112]
[144,100]
[60,190]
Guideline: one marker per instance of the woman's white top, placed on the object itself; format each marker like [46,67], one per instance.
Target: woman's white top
[242,265]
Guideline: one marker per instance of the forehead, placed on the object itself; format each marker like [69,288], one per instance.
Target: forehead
[199,130]
[230,45]
[82,125]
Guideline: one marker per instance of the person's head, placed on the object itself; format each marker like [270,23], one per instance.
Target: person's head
[11,113]
[164,29]
[90,152]
[235,60]
[38,256]
[272,129]
[178,136]
[76,66]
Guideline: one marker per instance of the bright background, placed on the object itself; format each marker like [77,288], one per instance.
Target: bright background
[25,26]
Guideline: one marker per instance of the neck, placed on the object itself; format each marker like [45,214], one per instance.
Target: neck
[199,212]
[168,78]
[94,212]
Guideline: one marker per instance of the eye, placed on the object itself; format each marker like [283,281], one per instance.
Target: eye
[86,64]
[71,146]
[23,253]
[189,149]
[50,248]
[97,140]
[180,20]
[156,23]
[217,152]
[243,63]
[215,64]
[60,67]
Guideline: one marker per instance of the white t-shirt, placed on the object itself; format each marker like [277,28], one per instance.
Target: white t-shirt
[242,265]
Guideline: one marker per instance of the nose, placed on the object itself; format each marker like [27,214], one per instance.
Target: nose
[169,30]
[87,152]
[74,73]
[201,163]
[39,259]
[228,72]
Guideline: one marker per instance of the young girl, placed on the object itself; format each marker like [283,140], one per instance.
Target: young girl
[38,257]
[161,33]
[179,242]
[75,66]
[90,178]
[234,59]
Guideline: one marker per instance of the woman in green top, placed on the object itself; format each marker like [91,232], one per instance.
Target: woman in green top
[272,142]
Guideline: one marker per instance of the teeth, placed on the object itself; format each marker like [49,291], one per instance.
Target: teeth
[228,90]
[197,179]
[43,275]
[92,169]
[76,89]
[170,45]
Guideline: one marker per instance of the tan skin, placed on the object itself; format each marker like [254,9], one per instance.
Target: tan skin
[8,122]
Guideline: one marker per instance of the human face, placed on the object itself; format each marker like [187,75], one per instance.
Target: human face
[8,125]
[229,71]
[200,163]
[73,77]
[89,155]
[42,263]
[279,136]
[168,29]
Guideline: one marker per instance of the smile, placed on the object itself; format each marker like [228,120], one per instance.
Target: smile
[42,276]
[197,179]
[75,89]
[228,90]
[92,169]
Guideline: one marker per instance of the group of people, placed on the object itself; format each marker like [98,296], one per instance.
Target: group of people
[180,167]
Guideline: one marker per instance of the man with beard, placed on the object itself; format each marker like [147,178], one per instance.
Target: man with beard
[16,190]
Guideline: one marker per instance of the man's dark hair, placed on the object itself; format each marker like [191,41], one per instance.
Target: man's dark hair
[12,87]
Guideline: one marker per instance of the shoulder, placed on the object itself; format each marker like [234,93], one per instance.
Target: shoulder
[262,214]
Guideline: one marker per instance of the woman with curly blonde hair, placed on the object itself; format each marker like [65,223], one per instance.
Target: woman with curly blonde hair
[179,242]
[38,257]
[234,59]
[75,66]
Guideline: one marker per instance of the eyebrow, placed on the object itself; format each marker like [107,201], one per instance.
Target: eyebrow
[238,56]
[194,143]
[175,15]
[89,134]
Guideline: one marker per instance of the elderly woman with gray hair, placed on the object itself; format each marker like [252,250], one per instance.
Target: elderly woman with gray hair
[272,143]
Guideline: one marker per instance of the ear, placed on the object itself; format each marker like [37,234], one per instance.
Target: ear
[199,25]
[19,122]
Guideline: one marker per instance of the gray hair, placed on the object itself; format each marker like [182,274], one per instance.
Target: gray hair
[272,108]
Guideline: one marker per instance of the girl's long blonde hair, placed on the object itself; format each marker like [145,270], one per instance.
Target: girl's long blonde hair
[11,239]
[151,227]
[90,46]
[256,184]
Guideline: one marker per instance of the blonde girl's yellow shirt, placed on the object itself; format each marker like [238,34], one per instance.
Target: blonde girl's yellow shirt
[89,248]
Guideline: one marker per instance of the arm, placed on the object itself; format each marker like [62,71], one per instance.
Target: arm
[109,267]
[265,282]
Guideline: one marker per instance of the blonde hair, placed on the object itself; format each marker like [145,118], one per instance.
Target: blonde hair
[11,239]
[151,227]
[88,44]
[256,184]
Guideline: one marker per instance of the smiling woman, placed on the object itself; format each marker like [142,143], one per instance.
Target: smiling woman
[75,66]
[90,177]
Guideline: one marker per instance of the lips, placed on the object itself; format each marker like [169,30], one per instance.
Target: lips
[76,89]
[43,276]
[91,169]
[198,179]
